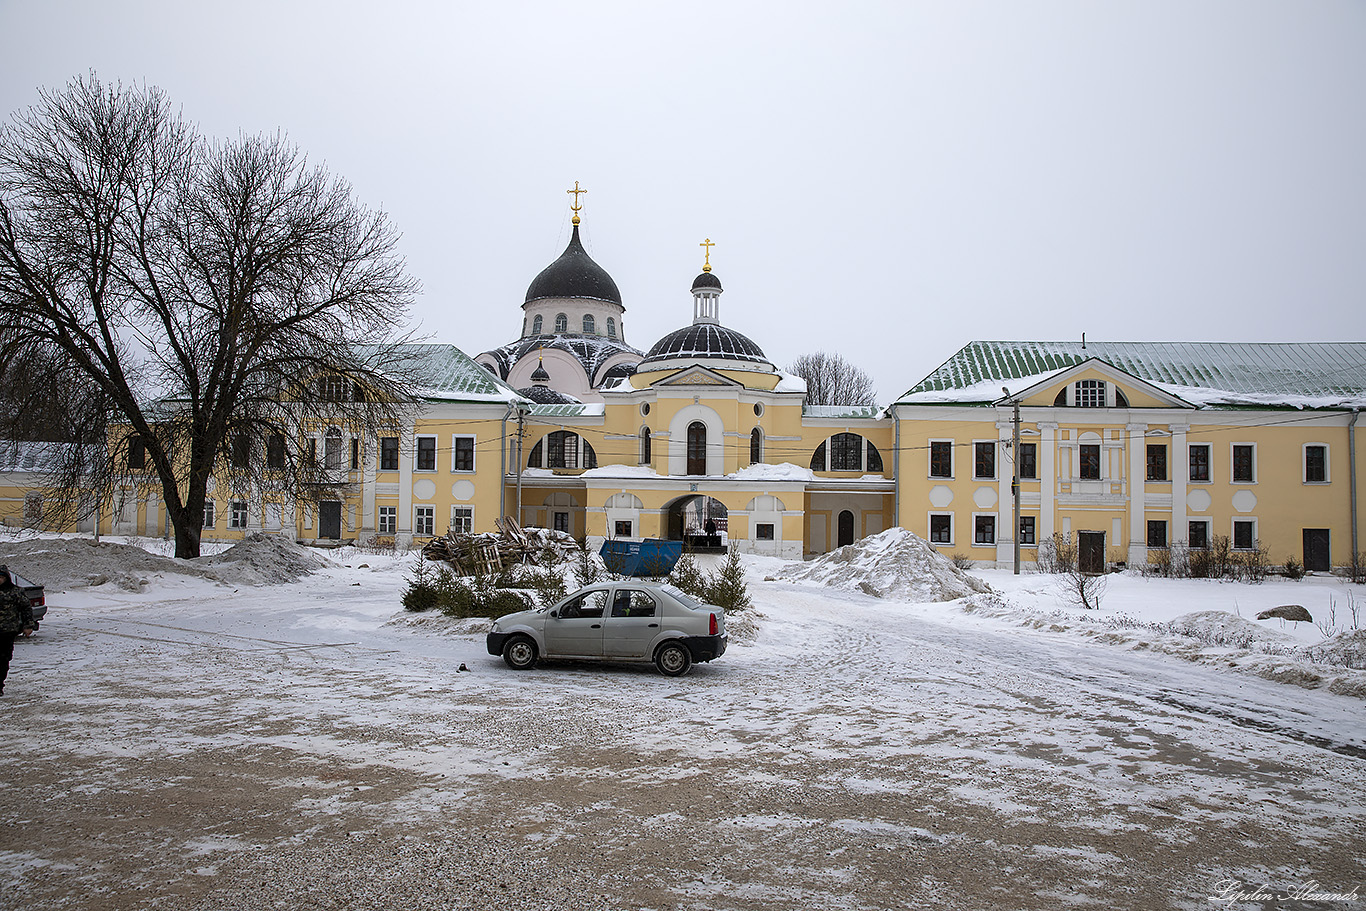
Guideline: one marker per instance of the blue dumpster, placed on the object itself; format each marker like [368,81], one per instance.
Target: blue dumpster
[651,557]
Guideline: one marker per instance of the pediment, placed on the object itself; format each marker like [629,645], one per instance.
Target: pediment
[1138,392]
[697,376]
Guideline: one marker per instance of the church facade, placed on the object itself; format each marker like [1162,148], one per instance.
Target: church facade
[1124,449]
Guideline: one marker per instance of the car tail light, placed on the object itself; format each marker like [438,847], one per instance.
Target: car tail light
[711,627]
[37,602]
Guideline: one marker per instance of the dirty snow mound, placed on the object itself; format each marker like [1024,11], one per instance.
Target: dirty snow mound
[1221,628]
[263,560]
[61,564]
[895,564]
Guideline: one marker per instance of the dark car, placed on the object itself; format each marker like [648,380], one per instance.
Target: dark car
[36,598]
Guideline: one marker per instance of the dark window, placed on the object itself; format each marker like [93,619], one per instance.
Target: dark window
[311,455]
[561,323]
[241,451]
[1029,460]
[1244,534]
[355,454]
[645,445]
[536,324]
[1090,462]
[756,446]
[611,327]
[1027,535]
[1199,462]
[1157,462]
[846,452]
[1242,464]
[984,460]
[984,530]
[1157,533]
[388,453]
[426,454]
[941,459]
[332,449]
[464,453]
[941,529]
[561,522]
[589,604]
[425,521]
[1061,399]
[332,388]
[1198,532]
[275,451]
[874,458]
[590,458]
[623,529]
[763,531]
[818,458]
[534,460]
[238,516]
[562,449]
[1315,464]
[137,452]
[697,448]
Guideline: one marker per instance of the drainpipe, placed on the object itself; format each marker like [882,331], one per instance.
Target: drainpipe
[1352,463]
[896,466]
[503,467]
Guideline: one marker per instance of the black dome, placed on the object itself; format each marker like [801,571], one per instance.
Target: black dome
[574,274]
[544,395]
[707,280]
[705,340]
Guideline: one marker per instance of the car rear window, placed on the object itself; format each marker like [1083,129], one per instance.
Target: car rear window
[686,599]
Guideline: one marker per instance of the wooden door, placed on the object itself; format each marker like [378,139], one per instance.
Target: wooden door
[329,520]
[1091,551]
[1316,553]
[697,448]
[846,528]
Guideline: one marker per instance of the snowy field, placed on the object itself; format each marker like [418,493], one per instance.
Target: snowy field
[207,736]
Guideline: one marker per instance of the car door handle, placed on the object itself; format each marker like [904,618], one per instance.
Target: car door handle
[654,626]
[596,626]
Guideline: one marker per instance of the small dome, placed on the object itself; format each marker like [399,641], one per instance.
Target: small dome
[574,274]
[705,340]
[706,280]
[539,375]
[544,395]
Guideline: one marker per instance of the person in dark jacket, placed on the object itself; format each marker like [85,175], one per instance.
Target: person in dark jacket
[16,616]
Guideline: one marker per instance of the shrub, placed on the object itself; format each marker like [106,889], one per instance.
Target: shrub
[962,561]
[1056,554]
[727,588]
[1200,563]
[1294,569]
[1252,565]
[457,596]
[586,569]
[688,578]
[1356,570]
[1083,589]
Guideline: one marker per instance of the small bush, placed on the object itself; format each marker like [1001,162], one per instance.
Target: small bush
[1083,589]
[1252,565]
[1056,554]
[688,578]
[547,583]
[1294,569]
[1200,563]
[727,588]
[457,596]
[586,569]
[1356,570]
[962,561]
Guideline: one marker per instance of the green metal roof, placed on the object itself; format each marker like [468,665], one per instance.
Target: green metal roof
[448,374]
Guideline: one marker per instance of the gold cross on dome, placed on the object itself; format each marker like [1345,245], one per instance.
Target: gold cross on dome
[575,206]
[706,265]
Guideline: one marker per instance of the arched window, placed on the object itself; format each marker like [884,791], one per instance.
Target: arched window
[611,327]
[562,449]
[589,327]
[756,446]
[536,324]
[697,448]
[561,323]
[818,458]
[645,445]
[847,452]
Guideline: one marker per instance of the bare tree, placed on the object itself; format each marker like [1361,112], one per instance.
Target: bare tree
[211,304]
[831,380]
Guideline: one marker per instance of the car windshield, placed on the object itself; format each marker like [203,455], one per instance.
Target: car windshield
[686,599]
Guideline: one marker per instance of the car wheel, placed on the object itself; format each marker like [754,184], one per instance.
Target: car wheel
[520,653]
[673,659]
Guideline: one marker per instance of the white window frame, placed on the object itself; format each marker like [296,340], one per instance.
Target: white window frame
[1166,534]
[1327,464]
[417,450]
[467,526]
[995,461]
[953,461]
[929,528]
[474,458]
[389,513]
[1083,401]
[1024,543]
[1209,537]
[210,518]
[1209,462]
[1233,524]
[239,515]
[424,521]
[995,528]
[1231,449]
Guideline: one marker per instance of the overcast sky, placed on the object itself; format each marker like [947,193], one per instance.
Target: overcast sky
[883,180]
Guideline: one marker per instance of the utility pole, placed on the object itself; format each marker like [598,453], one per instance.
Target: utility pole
[1015,485]
[521,418]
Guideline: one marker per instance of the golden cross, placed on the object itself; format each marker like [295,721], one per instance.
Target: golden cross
[706,266]
[575,206]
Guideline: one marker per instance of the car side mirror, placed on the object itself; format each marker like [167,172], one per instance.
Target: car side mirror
[555,614]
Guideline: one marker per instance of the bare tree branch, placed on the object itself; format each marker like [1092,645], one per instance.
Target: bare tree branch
[831,380]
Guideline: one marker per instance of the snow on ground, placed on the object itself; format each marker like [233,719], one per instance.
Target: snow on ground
[300,740]
[895,564]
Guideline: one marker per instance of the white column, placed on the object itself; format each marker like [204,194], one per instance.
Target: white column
[1048,478]
[407,454]
[1179,467]
[1138,476]
[1006,523]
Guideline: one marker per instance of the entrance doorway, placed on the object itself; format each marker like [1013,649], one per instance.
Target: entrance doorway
[1317,556]
[329,520]
[698,521]
[846,528]
[1091,551]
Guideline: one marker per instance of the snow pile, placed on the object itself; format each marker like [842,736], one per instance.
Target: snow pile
[263,560]
[784,471]
[1220,628]
[895,564]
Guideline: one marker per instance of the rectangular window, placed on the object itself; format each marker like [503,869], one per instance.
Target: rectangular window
[561,522]
[210,520]
[1089,469]
[462,456]
[332,388]
[311,456]
[1157,462]
[355,454]
[623,529]
[1027,530]
[388,453]
[1244,463]
[424,521]
[1198,534]
[846,452]
[1315,464]
[941,528]
[1199,453]
[1091,394]
[332,451]
[238,518]
[763,531]
[984,460]
[275,451]
[1157,533]
[1029,461]
[137,452]
[388,520]
[1244,534]
[941,458]
[984,529]
[241,451]
[426,454]
[462,520]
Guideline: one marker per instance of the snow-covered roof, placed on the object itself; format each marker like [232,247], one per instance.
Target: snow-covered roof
[23,455]
[592,351]
[1207,374]
[581,410]
[448,374]
[852,412]
[783,471]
